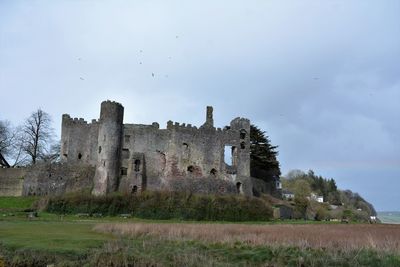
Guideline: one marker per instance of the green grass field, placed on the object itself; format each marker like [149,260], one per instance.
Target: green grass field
[16,203]
[52,236]
[72,241]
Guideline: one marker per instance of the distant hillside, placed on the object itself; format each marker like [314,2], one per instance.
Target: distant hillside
[328,202]
[392,217]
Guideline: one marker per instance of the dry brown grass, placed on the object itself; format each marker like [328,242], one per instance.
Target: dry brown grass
[343,237]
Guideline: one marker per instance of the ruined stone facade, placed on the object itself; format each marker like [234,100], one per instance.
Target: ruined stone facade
[134,157]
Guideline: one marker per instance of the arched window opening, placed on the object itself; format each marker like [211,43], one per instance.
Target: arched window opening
[230,155]
[134,189]
[137,165]
[79,156]
[242,145]
[190,168]
[213,172]
[185,151]
[124,171]
[243,134]
[239,187]
[99,149]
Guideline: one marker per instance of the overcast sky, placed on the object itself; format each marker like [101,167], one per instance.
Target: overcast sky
[321,77]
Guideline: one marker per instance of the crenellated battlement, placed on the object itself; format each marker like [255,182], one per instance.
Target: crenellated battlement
[189,127]
[180,150]
[66,118]
[112,103]
[178,126]
[111,111]
[239,119]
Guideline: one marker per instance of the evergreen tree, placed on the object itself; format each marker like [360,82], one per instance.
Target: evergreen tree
[263,155]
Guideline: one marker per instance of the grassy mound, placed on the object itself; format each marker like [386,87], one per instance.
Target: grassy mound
[165,205]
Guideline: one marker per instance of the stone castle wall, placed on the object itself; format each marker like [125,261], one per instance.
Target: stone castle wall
[154,158]
[46,179]
[79,140]
[109,140]
[57,179]
[132,157]
[106,156]
[11,181]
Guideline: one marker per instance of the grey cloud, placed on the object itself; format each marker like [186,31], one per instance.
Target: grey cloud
[320,77]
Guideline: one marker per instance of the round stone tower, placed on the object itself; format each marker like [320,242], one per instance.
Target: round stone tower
[109,148]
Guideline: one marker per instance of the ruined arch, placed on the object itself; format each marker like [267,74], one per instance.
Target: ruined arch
[242,145]
[243,134]
[137,165]
[190,168]
[134,189]
[239,187]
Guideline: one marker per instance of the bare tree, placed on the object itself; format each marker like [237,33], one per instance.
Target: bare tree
[17,156]
[38,135]
[11,145]
[53,155]
[6,138]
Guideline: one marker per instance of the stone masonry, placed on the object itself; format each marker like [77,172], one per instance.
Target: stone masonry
[134,157]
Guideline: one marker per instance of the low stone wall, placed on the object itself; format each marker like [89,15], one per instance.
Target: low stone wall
[201,185]
[11,181]
[208,185]
[61,178]
[58,179]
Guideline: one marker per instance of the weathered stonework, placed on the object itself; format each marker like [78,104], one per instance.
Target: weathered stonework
[11,181]
[134,157]
[46,179]
[57,179]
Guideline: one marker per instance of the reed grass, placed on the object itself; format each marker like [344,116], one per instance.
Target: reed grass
[333,237]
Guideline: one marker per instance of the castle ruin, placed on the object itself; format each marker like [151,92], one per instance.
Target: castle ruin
[133,157]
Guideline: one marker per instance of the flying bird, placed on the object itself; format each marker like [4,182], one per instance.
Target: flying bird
[81,78]
[152,74]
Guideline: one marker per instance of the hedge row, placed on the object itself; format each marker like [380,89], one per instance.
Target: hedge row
[165,205]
